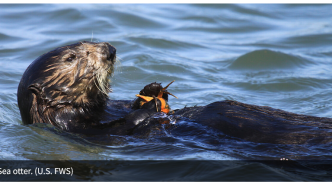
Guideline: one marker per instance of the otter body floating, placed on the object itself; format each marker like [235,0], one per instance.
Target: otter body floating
[68,88]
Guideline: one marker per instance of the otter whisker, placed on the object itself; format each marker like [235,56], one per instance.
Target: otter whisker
[117,64]
[118,58]
[102,81]
[94,80]
[110,70]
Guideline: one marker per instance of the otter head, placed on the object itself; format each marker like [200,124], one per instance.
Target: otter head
[68,86]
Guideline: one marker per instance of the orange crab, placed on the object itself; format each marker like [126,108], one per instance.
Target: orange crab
[157,92]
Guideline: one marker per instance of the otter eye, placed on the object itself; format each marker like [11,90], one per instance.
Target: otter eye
[71,58]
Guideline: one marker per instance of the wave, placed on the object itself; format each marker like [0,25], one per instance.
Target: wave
[267,60]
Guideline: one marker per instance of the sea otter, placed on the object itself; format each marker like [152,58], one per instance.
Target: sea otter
[68,87]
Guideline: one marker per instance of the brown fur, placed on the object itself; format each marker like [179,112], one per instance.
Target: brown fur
[67,87]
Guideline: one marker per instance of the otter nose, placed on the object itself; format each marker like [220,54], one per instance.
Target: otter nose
[112,52]
[106,49]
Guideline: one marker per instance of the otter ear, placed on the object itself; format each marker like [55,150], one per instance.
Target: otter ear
[35,88]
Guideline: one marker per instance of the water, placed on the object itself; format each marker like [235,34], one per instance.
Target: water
[273,55]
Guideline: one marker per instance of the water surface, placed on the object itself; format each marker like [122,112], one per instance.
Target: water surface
[273,55]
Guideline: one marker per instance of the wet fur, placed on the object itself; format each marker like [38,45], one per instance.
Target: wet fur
[74,97]
[69,94]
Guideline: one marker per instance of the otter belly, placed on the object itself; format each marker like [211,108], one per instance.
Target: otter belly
[261,124]
[234,119]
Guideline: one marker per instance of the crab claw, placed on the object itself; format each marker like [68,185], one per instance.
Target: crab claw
[163,90]
[167,86]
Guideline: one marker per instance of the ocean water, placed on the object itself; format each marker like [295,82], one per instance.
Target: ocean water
[263,54]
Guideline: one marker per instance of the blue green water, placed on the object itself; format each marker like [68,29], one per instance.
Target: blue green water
[272,55]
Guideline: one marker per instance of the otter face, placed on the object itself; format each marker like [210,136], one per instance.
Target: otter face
[66,78]
[80,72]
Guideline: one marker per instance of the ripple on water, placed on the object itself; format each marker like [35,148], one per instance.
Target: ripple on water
[7,38]
[266,59]
[164,43]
